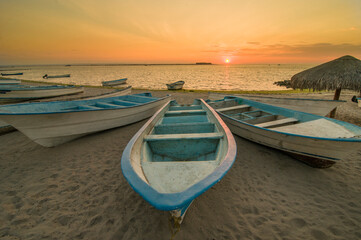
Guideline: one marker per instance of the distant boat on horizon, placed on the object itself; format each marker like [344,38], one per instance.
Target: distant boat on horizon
[203,63]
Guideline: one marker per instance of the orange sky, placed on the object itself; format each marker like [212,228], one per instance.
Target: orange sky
[187,31]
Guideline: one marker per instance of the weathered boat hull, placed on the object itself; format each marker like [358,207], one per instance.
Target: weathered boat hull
[314,106]
[5,128]
[52,129]
[316,140]
[320,153]
[176,156]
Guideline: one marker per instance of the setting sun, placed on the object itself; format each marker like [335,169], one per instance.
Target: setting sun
[227,60]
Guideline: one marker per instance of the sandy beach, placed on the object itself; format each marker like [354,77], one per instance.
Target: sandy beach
[77,191]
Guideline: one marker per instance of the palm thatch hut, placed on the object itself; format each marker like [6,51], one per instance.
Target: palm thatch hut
[341,73]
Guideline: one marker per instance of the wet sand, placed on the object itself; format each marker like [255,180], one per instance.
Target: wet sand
[77,191]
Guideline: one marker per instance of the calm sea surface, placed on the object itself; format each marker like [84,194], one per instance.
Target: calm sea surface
[202,77]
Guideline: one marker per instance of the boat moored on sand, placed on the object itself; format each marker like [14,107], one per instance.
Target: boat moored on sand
[52,123]
[177,155]
[315,140]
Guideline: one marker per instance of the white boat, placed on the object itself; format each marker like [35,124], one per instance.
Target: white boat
[177,155]
[315,106]
[176,85]
[9,93]
[115,82]
[5,128]
[52,123]
[315,140]
[46,76]
[9,81]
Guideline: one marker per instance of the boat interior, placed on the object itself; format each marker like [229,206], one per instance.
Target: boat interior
[275,118]
[82,105]
[252,115]
[184,147]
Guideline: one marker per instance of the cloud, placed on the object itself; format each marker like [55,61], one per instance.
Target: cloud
[302,51]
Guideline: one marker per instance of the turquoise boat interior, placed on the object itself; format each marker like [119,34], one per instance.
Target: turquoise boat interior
[125,101]
[282,119]
[185,145]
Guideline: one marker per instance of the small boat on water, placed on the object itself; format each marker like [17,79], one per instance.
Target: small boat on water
[52,123]
[315,140]
[315,106]
[176,85]
[56,76]
[10,93]
[177,155]
[9,81]
[11,74]
[115,82]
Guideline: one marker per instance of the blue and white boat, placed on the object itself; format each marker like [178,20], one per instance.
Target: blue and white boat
[315,140]
[9,93]
[11,74]
[177,155]
[52,123]
[115,82]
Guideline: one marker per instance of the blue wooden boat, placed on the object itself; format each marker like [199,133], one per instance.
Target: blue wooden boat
[316,140]
[11,74]
[176,85]
[177,155]
[115,82]
[52,123]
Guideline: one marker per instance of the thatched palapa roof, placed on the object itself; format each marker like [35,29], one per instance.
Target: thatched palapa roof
[343,72]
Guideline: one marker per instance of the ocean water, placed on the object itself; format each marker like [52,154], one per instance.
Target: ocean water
[196,77]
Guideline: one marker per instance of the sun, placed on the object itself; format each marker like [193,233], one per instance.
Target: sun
[227,60]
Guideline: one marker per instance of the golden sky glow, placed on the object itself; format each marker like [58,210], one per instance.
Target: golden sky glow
[187,31]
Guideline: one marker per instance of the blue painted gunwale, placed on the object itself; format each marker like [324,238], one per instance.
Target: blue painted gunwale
[180,200]
[301,116]
[59,106]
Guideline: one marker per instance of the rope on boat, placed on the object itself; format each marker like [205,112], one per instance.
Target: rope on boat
[174,225]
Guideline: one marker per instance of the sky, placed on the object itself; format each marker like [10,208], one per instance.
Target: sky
[174,31]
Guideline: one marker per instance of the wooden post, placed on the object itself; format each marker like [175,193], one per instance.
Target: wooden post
[335,97]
